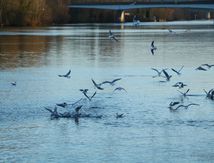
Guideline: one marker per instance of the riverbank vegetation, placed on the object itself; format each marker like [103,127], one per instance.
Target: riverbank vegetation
[33,12]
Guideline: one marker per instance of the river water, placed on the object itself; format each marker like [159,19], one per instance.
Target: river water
[149,131]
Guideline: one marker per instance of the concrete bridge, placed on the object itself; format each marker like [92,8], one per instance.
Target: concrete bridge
[209,6]
[141,6]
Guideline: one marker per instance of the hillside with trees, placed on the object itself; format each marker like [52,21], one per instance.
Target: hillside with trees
[33,12]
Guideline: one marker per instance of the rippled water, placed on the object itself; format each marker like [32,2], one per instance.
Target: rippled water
[149,132]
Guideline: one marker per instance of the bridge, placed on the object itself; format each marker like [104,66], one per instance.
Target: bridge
[141,6]
[203,5]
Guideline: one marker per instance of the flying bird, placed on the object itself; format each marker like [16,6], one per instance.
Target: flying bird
[171,31]
[186,106]
[66,75]
[179,85]
[153,48]
[112,36]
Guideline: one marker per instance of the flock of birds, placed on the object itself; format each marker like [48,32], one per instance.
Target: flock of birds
[76,107]
[163,73]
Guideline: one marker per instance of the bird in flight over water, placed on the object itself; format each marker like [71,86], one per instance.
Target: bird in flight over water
[112,36]
[66,75]
[153,48]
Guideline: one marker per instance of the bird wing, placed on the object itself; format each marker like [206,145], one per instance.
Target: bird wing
[166,74]
[116,80]
[155,70]
[152,44]
[175,71]
[105,82]
[48,109]
[86,96]
[192,104]
[95,84]
[205,91]
[68,73]
[180,69]
[187,91]
[78,108]
[115,38]
[93,95]
[179,107]
[152,51]
[110,33]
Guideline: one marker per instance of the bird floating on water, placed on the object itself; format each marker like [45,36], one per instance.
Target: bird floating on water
[119,115]
[66,75]
[13,83]
[171,31]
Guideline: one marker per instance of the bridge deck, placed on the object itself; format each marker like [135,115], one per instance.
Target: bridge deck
[142,6]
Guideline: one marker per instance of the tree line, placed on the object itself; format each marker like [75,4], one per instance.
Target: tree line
[33,12]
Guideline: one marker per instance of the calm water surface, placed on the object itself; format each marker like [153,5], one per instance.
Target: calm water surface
[149,132]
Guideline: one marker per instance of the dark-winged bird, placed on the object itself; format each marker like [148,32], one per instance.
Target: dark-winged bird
[112,36]
[153,47]
[66,75]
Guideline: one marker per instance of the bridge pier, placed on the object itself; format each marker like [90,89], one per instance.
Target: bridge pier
[208,15]
[122,17]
